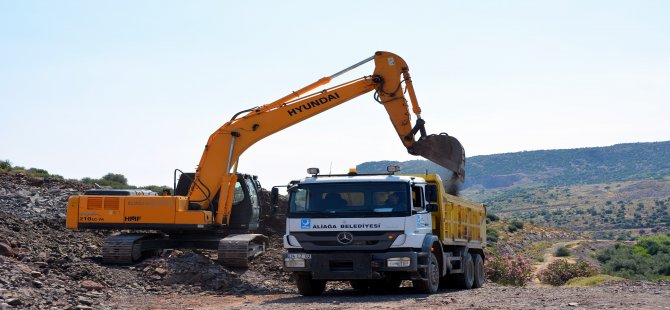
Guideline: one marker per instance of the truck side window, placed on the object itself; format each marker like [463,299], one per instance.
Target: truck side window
[417,199]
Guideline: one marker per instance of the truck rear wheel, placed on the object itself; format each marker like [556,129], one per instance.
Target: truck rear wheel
[467,278]
[430,284]
[308,286]
[479,272]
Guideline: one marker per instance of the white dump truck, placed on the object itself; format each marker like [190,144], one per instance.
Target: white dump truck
[377,230]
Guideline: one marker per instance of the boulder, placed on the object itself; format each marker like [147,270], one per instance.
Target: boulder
[6,250]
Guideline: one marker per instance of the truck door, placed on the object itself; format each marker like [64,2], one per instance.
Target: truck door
[423,220]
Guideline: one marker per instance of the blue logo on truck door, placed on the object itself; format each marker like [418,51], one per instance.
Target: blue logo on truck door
[305,223]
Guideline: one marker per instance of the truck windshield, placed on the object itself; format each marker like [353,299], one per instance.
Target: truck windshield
[350,200]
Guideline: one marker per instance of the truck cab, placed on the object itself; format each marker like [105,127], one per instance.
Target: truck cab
[372,230]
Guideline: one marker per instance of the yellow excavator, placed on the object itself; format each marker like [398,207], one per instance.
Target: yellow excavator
[218,208]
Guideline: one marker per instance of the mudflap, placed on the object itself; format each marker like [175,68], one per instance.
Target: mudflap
[443,150]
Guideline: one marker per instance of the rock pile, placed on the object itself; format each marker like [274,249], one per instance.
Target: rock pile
[43,265]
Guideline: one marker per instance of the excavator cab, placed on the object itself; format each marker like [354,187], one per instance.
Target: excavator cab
[245,214]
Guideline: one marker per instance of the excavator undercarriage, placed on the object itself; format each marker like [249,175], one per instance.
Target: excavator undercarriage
[232,250]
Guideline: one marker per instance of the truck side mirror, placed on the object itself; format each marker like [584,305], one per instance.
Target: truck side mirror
[274,196]
[432,207]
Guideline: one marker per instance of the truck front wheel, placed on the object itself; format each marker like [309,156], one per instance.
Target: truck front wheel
[430,283]
[308,286]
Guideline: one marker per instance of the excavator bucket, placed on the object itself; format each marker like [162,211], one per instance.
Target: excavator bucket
[443,150]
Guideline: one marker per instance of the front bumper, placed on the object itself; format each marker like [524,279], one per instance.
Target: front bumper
[352,266]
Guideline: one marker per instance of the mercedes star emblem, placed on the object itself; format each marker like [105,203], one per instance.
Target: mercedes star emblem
[345,238]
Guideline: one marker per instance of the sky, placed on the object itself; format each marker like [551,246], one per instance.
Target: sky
[136,87]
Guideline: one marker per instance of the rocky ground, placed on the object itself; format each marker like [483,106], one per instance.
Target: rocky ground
[611,295]
[43,266]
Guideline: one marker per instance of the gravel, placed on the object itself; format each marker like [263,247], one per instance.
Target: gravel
[45,266]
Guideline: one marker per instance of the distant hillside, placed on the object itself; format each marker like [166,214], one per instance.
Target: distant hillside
[594,165]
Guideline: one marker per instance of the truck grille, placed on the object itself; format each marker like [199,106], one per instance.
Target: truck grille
[362,240]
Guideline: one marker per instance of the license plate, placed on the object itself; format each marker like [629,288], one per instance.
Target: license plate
[299,255]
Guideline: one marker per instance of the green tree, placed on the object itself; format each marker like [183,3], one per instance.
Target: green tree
[117,178]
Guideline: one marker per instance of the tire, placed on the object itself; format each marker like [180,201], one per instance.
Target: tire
[308,286]
[359,285]
[430,284]
[467,278]
[479,272]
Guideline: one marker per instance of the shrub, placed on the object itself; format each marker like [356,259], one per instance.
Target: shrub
[509,270]
[649,259]
[518,224]
[511,228]
[562,252]
[492,217]
[560,271]
[36,172]
[491,235]
[591,281]
[5,165]
[118,178]
[110,179]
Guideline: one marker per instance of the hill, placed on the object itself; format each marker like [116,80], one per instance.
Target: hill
[593,165]
[616,192]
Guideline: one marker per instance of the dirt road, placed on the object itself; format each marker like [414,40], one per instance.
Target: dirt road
[611,295]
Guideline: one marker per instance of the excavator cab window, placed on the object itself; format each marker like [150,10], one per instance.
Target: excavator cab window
[238,196]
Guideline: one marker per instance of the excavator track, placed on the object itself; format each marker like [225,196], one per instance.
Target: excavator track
[124,248]
[237,250]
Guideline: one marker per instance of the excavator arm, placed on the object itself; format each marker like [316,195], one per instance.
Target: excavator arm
[216,171]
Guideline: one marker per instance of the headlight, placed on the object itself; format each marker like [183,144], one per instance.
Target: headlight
[294,262]
[398,262]
[292,241]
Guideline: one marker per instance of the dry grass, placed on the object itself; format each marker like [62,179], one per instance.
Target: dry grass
[591,281]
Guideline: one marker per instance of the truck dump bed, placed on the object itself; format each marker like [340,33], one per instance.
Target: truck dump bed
[457,221]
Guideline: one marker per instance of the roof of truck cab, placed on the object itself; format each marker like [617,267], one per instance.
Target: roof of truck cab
[360,178]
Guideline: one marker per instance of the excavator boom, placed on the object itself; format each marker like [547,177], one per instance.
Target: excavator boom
[218,164]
